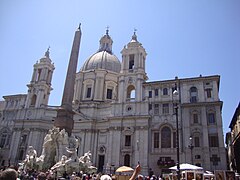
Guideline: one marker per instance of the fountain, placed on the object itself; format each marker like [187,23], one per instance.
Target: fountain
[59,155]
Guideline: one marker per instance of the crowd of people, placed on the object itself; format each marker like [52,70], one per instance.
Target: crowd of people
[12,173]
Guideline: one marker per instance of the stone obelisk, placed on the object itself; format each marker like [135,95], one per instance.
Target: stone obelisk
[64,119]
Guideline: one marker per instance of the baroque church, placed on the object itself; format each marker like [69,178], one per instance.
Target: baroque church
[120,116]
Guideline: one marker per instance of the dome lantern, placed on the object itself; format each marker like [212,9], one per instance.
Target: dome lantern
[106,43]
[134,36]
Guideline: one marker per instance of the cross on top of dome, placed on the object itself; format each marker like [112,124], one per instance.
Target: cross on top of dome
[134,36]
[107,30]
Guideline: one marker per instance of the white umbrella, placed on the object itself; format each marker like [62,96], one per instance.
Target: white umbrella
[186,166]
[124,169]
[208,173]
[105,177]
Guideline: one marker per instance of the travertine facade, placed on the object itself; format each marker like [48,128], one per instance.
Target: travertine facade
[119,116]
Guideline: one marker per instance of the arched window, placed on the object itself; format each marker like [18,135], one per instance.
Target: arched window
[131,61]
[49,77]
[131,93]
[193,94]
[34,98]
[131,64]
[127,160]
[166,137]
[39,71]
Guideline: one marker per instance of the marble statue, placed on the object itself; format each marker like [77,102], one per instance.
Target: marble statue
[86,164]
[30,161]
[59,154]
[62,143]
[72,163]
[60,167]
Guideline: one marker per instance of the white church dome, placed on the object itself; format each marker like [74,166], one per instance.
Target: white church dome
[104,58]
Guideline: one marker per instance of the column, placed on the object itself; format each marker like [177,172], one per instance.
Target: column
[111,149]
[144,149]
[14,145]
[34,75]
[121,89]
[40,96]
[137,156]
[139,88]
[49,78]
[204,129]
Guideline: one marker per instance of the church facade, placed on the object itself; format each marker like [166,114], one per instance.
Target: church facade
[120,116]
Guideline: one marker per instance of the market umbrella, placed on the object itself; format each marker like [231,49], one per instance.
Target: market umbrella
[124,169]
[186,166]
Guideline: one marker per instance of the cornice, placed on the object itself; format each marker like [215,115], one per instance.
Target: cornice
[214,103]
[177,80]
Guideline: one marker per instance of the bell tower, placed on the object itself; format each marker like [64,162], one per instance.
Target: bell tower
[132,73]
[40,85]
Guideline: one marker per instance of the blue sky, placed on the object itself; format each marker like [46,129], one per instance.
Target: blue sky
[183,38]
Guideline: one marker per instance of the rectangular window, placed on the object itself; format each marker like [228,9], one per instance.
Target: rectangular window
[211,118]
[149,107]
[165,108]
[3,140]
[193,99]
[213,140]
[195,118]
[156,140]
[127,140]
[89,92]
[209,93]
[156,92]
[156,108]
[150,94]
[165,91]
[196,142]
[109,93]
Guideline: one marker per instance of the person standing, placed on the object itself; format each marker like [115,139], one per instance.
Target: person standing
[9,174]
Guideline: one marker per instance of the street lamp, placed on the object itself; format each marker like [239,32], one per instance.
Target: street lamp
[175,93]
[191,147]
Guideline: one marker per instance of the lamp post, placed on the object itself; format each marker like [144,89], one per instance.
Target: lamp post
[191,147]
[175,93]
